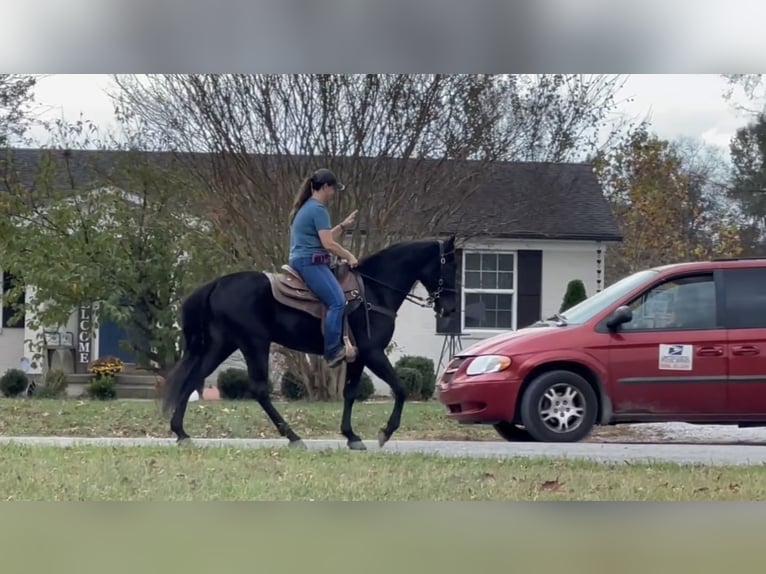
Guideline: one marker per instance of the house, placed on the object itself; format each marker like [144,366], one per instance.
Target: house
[535,227]
[526,231]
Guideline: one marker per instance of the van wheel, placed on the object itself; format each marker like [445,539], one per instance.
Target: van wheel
[559,406]
[512,433]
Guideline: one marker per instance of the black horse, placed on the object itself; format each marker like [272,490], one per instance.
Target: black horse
[239,311]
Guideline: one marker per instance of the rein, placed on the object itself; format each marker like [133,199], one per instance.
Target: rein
[425,302]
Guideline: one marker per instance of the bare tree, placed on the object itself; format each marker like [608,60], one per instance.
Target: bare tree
[412,149]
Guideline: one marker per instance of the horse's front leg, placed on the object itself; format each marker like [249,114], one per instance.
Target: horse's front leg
[350,392]
[380,365]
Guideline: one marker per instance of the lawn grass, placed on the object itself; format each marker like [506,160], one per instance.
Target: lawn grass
[234,419]
[181,474]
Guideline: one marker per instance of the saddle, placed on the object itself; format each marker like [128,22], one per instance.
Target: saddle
[290,290]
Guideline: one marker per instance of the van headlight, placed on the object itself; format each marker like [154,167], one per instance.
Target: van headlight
[488,364]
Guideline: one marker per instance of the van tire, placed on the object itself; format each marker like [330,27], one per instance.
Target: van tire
[574,393]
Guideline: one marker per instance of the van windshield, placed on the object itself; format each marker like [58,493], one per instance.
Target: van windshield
[584,311]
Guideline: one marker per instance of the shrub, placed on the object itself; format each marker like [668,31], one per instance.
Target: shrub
[14,382]
[366,388]
[425,367]
[292,388]
[53,385]
[575,294]
[233,384]
[102,388]
[412,379]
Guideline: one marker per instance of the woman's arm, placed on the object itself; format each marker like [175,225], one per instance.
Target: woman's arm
[338,231]
[329,243]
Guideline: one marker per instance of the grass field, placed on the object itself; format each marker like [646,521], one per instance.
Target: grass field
[177,474]
[235,419]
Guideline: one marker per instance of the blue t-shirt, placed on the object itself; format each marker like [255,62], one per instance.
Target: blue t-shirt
[310,219]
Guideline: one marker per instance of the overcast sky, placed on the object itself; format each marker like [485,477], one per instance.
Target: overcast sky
[679,105]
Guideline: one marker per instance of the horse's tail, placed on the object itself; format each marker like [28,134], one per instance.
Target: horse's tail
[194,314]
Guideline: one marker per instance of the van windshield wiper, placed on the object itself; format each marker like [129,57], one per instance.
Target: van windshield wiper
[559,318]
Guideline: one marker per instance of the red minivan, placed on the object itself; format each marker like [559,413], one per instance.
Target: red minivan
[677,343]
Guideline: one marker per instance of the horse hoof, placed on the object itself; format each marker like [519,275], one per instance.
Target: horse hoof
[382,437]
[184,441]
[299,444]
[356,445]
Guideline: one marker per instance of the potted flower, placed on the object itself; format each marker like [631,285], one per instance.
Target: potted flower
[103,385]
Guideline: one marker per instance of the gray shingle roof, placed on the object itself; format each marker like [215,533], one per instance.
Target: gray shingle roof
[513,200]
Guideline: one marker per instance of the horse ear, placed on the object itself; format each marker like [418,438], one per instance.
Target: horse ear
[451,241]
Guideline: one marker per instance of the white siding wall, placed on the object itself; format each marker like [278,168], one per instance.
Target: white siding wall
[11,348]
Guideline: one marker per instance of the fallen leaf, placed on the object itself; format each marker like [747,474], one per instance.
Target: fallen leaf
[552,485]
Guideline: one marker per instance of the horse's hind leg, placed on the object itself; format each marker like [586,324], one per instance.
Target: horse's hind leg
[257,359]
[350,392]
[195,379]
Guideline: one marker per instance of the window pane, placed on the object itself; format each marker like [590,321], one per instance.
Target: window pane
[473,261]
[490,320]
[504,280]
[481,311]
[745,298]
[505,262]
[472,280]
[684,303]
[505,302]
[474,309]
[489,261]
[504,320]
[489,280]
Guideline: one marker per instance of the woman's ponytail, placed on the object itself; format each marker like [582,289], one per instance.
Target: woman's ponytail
[302,197]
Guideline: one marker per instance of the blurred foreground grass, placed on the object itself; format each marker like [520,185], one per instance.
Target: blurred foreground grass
[217,473]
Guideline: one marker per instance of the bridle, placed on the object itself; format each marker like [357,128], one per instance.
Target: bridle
[425,302]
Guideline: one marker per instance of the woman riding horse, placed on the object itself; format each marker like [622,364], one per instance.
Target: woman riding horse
[312,240]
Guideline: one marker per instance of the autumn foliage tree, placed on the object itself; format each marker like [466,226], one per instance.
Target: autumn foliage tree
[667,211]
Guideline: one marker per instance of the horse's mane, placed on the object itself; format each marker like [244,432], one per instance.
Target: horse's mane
[372,260]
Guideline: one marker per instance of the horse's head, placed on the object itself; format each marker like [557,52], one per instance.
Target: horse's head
[438,277]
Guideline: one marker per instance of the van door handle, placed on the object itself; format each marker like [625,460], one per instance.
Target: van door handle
[745,350]
[710,351]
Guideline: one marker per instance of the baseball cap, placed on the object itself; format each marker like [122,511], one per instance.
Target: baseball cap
[326,177]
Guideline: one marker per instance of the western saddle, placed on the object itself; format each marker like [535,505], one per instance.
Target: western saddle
[289,289]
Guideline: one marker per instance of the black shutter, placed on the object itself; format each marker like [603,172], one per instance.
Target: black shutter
[529,287]
[452,325]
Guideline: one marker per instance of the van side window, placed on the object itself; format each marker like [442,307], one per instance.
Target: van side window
[683,303]
[745,298]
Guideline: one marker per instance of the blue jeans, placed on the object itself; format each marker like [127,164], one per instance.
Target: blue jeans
[320,279]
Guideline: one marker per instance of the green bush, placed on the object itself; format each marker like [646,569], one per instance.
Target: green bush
[412,379]
[425,367]
[102,388]
[292,388]
[366,388]
[53,386]
[575,294]
[14,382]
[233,384]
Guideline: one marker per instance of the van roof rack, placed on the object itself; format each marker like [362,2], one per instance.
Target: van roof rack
[747,258]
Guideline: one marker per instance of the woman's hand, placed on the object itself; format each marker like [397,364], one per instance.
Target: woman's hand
[349,221]
[352,262]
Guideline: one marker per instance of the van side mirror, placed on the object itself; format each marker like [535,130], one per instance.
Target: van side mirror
[619,316]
